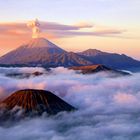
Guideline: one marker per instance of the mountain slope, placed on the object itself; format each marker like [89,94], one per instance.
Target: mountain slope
[68,59]
[41,52]
[98,68]
[112,60]
[33,102]
[36,50]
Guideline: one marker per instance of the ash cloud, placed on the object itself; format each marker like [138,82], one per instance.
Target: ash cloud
[109,108]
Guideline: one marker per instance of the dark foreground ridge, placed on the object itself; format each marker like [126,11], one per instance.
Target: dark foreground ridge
[32,102]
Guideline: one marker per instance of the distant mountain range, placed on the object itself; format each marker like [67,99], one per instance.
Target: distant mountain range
[112,60]
[41,52]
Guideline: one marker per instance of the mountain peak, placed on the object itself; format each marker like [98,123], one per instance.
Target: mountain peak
[91,52]
[37,50]
[40,42]
[35,101]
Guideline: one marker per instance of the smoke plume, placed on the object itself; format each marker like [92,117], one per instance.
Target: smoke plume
[35,28]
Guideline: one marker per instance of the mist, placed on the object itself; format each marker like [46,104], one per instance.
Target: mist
[108,108]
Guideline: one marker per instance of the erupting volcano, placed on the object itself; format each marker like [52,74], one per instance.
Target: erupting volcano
[41,52]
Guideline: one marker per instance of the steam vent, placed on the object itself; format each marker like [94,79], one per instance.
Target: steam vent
[35,102]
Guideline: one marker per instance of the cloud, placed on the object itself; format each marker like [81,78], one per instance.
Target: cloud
[104,33]
[123,98]
[4,70]
[57,30]
[57,26]
[109,108]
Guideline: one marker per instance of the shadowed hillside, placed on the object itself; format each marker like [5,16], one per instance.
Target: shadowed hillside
[33,102]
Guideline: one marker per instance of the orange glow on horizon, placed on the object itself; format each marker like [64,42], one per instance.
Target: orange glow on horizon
[77,44]
[17,34]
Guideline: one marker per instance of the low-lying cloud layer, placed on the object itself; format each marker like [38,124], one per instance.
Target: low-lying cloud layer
[109,108]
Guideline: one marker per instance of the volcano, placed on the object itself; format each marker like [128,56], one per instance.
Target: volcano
[34,102]
[42,52]
[36,51]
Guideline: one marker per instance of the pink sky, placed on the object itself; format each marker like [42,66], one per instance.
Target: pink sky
[72,37]
[107,25]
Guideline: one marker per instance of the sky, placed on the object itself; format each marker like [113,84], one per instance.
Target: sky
[74,25]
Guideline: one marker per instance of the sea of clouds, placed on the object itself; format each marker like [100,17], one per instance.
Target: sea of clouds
[108,108]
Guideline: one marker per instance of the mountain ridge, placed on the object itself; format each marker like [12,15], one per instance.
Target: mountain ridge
[42,52]
[113,60]
[99,68]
